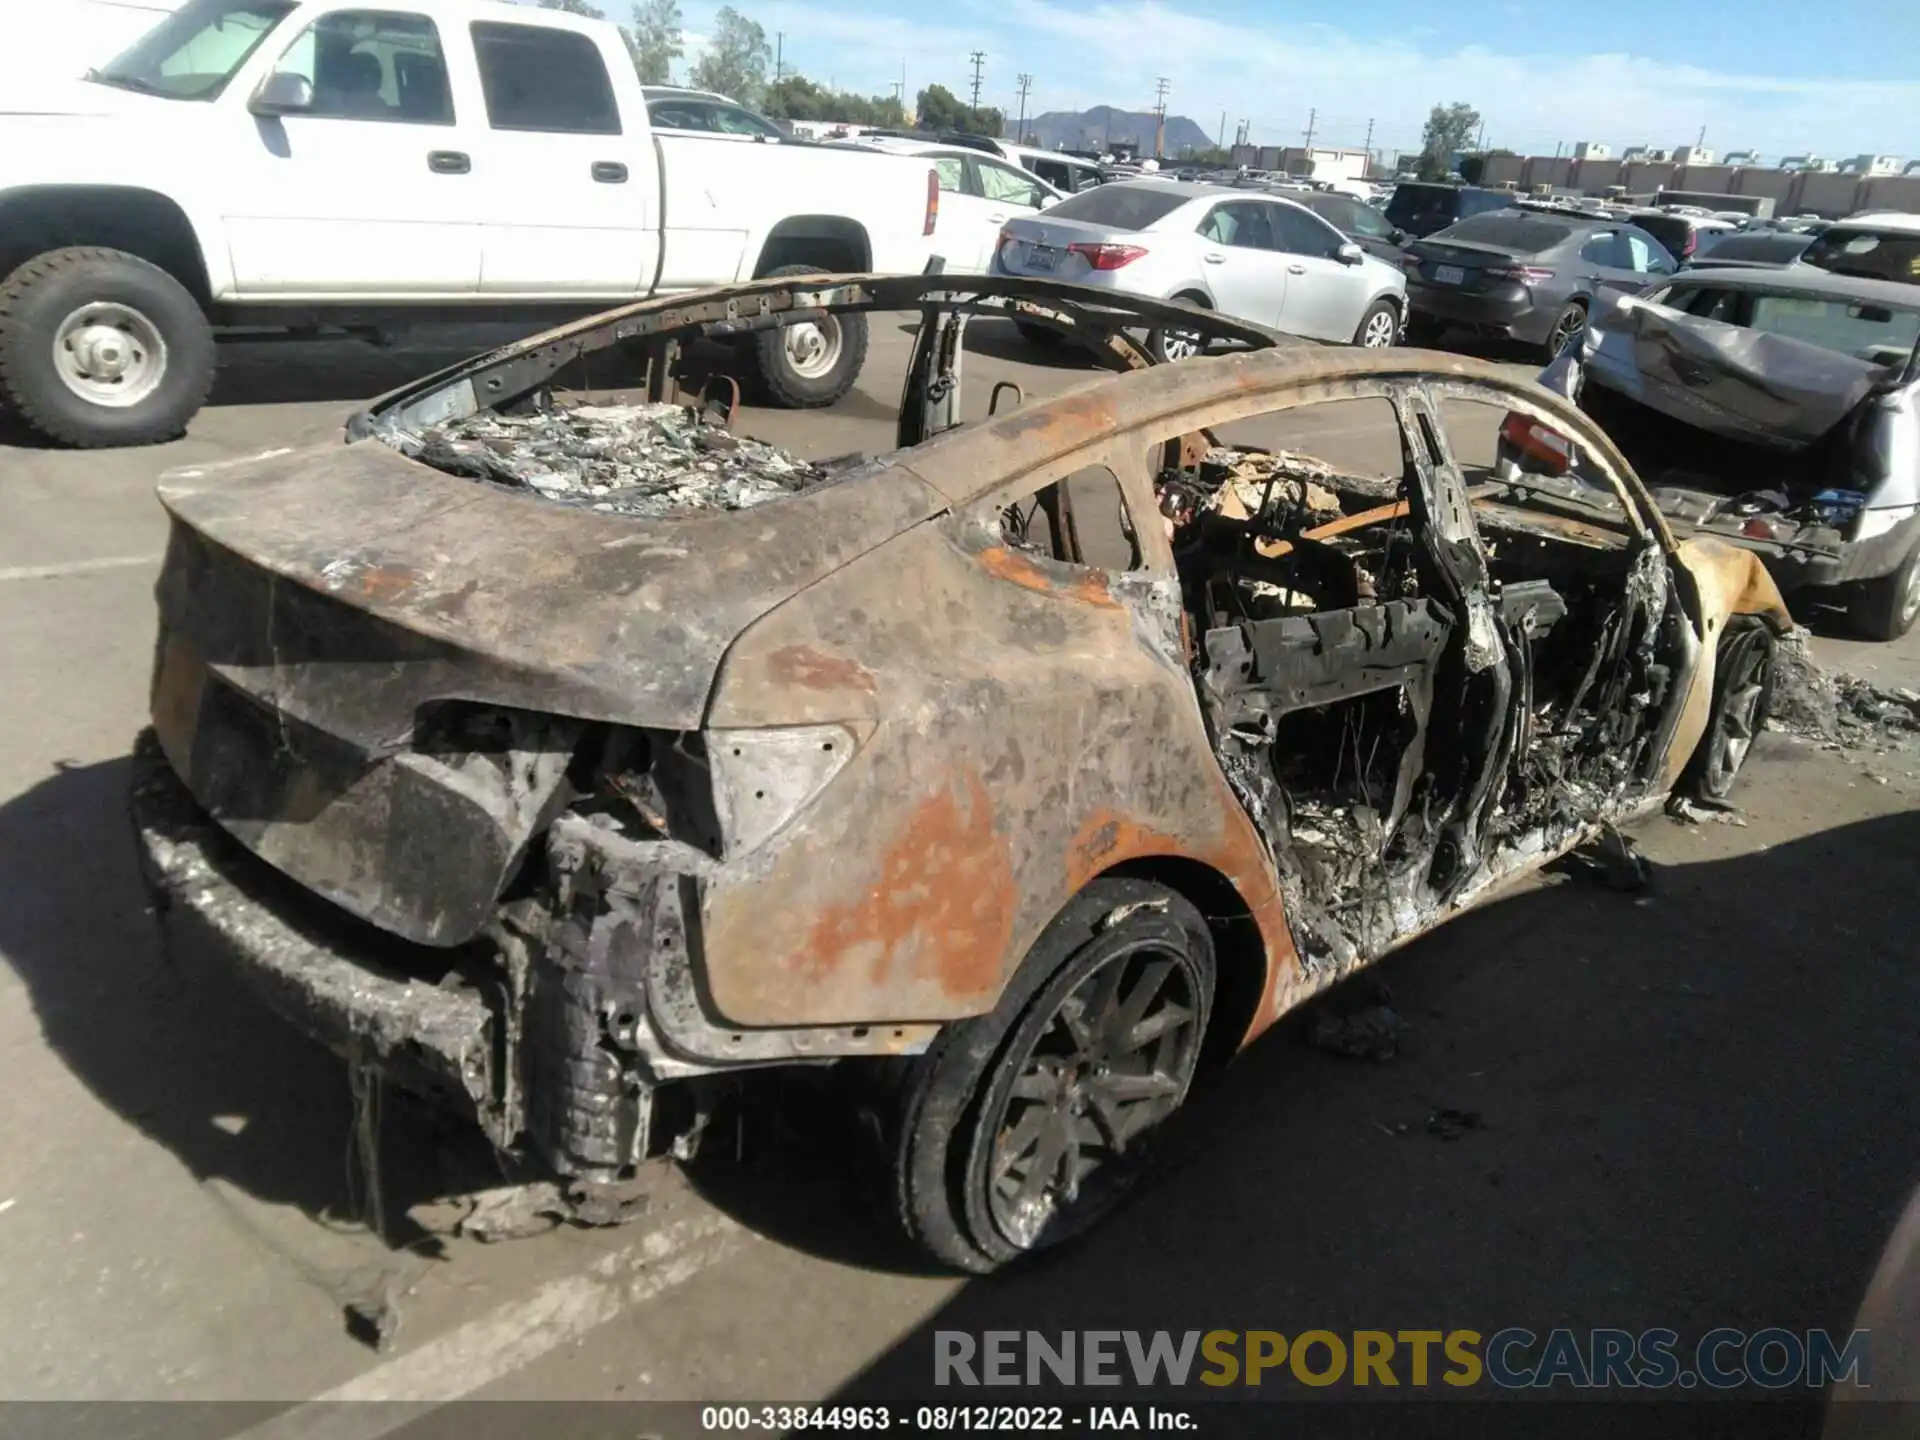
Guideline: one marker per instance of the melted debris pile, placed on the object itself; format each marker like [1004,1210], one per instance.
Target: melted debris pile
[648,460]
[1243,478]
[1842,711]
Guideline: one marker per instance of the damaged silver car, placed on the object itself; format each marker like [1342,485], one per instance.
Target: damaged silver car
[563,761]
[1779,410]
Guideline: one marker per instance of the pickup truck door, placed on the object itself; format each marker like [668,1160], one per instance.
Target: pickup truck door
[569,179]
[365,190]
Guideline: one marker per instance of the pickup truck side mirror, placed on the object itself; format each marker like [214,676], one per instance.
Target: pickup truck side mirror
[282,93]
[1349,254]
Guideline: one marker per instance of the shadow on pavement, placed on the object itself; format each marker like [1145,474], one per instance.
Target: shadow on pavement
[1695,1109]
[173,1043]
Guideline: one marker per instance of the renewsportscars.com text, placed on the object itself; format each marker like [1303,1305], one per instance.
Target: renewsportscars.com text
[1514,1358]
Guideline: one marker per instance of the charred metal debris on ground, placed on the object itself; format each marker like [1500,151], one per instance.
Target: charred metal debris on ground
[1843,712]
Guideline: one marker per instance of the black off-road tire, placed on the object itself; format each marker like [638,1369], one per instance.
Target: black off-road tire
[792,388]
[941,1147]
[37,298]
[1885,609]
[1743,677]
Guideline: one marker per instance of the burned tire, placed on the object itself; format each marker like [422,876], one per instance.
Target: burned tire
[1567,327]
[806,366]
[1885,609]
[1020,1128]
[1742,699]
[99,348]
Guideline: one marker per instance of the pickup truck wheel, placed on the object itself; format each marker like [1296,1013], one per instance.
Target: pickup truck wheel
[1885,609]
[814,363]
[99,348]
[1023,1127]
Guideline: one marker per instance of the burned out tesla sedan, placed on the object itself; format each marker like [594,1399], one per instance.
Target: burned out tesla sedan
[561,761]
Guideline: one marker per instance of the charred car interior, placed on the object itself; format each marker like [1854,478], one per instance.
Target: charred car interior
[562,760]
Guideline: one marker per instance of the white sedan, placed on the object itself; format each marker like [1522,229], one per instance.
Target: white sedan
[979,193]
[1255,256]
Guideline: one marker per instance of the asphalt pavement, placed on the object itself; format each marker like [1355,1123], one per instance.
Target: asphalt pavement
[1695,1105]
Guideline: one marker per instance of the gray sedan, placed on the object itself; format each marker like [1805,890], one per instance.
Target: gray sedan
[1525,275]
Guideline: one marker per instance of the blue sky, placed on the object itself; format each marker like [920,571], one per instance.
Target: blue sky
[1838,77]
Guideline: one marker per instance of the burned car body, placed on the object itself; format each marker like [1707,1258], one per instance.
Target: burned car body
[1779,410]
[1035,795]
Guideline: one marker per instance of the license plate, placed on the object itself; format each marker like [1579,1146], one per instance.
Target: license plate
[1448,275]
[1039,257]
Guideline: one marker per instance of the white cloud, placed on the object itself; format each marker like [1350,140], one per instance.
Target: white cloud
[1273,75]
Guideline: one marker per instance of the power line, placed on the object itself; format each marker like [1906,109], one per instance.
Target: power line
[979,58]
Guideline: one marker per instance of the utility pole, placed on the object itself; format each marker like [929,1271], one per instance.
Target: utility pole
[1312,115]
[1220,142]
[1160,117]
[1702,140]
[979,58]
[1020,130]
[779,44]
[1482,144]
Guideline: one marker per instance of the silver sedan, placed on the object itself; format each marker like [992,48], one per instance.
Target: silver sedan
[1255,257]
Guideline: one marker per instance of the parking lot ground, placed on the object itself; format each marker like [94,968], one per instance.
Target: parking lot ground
[1697,1103]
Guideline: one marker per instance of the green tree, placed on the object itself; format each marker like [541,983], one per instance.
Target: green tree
[1450,129]
[736,58]
[655,40]
[938,108]
[574,7]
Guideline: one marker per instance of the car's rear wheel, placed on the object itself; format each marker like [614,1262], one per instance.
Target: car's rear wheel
[1742,698]
[1379,327]
[813,363]
[1021,1128]
[1171,344]
[1567,327]
[1885,609]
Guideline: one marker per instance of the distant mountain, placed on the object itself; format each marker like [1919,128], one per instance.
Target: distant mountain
[1103,125]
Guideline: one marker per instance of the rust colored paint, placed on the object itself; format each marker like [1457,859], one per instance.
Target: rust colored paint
[812,669]
[943,905]
[1089,586]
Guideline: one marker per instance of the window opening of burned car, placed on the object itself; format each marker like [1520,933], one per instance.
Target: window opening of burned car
[1409,701]
[1081,519]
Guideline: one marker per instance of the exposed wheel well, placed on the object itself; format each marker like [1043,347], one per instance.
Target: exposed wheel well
[832,242]
[1240,955]
[39,218]
[1195,297]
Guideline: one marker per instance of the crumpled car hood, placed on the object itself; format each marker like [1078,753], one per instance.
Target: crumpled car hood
[491,595]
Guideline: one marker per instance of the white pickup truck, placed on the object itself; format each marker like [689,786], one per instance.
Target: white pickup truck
[305,164]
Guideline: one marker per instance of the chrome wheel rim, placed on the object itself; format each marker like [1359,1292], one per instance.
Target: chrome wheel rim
[109,354]
[1177,345]
[1910,597]
[1571,324]
[1111,1062]
[1381,329]
[813,347]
